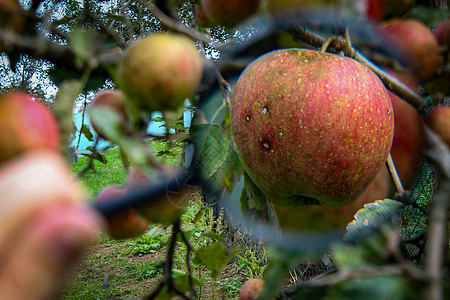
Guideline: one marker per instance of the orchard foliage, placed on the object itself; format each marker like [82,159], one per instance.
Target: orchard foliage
[69,52]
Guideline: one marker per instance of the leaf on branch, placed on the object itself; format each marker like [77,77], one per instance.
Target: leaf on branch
[371,219]
[95,155]
[81,42]
[86,130]
[215,257]
[211,145]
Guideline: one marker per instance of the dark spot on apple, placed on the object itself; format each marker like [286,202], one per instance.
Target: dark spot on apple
[302,200]
[265,110]
[265,144]
[335,165]
[247,118]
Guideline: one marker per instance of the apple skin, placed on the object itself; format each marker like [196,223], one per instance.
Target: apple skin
[416,42]
[164,210]
[439,120]
[123,225]
[311,127]
[26,125]
[251,288]
[442,32]
[318,218]
[160,71]
[229,12]
[408,144]
[113,99]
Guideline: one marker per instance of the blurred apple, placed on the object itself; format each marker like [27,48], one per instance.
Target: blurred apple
[126,224]
[26,125]
[316,218]
[229,12]
[251,289]
[408,143]
[166,208]
[442,32]
[439,121]
[30,184]
[113,99]
[160,71]
[416,42]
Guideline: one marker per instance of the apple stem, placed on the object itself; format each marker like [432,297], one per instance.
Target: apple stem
[394,175]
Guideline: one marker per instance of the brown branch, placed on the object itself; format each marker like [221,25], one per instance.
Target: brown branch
[175,25]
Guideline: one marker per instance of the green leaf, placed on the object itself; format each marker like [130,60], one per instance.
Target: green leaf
[428,15]
[372,218]
[80,42]
[180,282]
[376,288]
[86,130]
[110,124]
[120,18]
[214,258]
[63,104]
[211,145]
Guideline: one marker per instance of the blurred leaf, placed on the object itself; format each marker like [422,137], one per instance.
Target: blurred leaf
[281,262]
[211,146]
[348,256]
[110,124]
[181,282]
[375,288]
[80,41]
[372,218]
[120,18]
[59,75]
[86,130]
[213,236]
[95,155]
[215,258]
[428,15]
[63,105]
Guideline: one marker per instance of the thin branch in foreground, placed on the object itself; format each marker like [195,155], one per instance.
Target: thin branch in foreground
[394,175]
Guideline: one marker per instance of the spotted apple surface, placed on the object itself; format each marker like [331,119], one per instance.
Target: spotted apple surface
[311,127]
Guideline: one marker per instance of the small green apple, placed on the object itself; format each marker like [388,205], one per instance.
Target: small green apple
[160,71]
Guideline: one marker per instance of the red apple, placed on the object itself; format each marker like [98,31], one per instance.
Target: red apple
[311,127]
[160,71]
[408,144]
[317,218]
[126,224]
[251,288]
[26,125]
[439,121]
[165,209]
[229,12]
[414,41]
[442,32]
[113,99]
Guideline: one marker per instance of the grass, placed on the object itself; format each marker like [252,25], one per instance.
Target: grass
[131,268]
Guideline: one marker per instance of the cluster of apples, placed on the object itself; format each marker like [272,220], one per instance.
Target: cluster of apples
[303,136]
[156,73]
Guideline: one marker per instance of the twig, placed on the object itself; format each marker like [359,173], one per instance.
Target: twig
[175,25]
[394,175]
